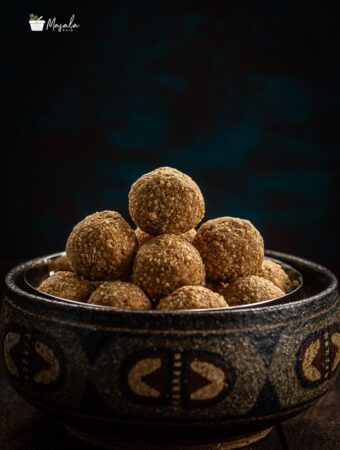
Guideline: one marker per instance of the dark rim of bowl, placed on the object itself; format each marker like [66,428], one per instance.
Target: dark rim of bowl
[11,277]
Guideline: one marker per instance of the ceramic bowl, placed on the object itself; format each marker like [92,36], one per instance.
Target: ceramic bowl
[172,377]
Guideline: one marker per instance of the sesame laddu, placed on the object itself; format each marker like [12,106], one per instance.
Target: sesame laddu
[67,285]
[250,289]
[230,248]
[120,294]
[60,263]
[275,273]
[166,201]
[192,297]
[166,263]
[102,246]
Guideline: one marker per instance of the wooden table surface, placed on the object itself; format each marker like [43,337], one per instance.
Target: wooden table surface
[22,427]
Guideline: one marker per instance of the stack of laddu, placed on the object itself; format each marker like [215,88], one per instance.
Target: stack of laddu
[165,263]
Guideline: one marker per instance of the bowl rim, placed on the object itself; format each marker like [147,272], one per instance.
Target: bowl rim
[10,283]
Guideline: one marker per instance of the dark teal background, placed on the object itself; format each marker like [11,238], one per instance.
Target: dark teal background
[242,96]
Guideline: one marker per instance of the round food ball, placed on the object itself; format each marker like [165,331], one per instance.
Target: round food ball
[60,263]
[67,285]
[166,201]
[166,263]
[102,246]
[120,294]
[250,289]
[230,248]
[192,297]
[145,237]
[275,273]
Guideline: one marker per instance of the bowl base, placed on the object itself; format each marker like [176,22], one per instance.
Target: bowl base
[111,442]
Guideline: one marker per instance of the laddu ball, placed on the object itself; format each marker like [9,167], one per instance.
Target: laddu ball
[166,201]
[192,297]
[102,246]
[250,289]
[120,294]
[166,263]
[230,248]
[67,285]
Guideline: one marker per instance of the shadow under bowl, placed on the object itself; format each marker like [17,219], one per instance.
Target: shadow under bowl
[159,377]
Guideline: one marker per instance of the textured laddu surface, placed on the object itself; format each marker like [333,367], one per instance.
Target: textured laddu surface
[274,273]
[120,294]
[102,246]
[166,263]
[192,297]
[60,263]
[230,248]
[250,289]
[166,201]
[67,285]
